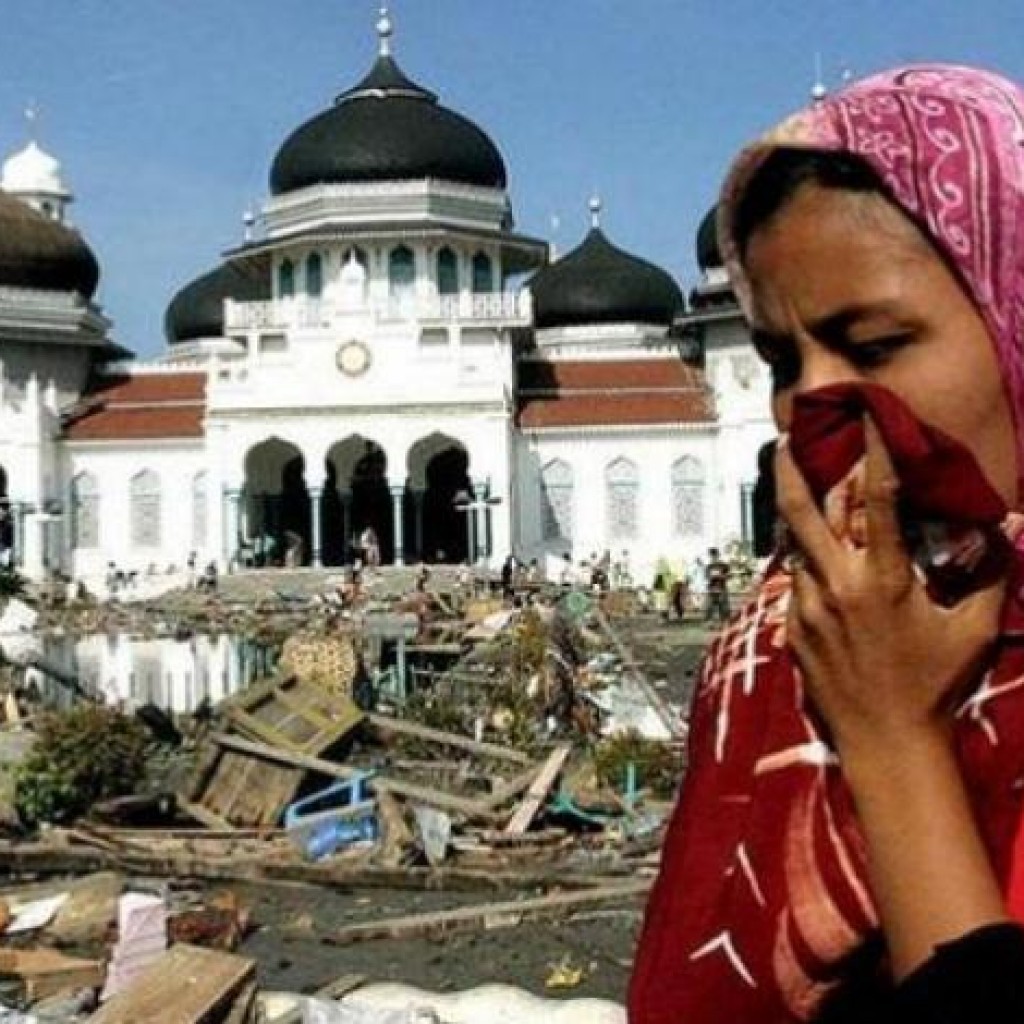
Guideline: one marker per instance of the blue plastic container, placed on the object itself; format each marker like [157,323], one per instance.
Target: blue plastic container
[337,816]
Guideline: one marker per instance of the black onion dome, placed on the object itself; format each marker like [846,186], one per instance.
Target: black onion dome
[708,253]
[599,283]
[197,311]
[37,252]
[387,128]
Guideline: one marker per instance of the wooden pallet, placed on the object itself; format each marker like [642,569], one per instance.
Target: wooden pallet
[232,788]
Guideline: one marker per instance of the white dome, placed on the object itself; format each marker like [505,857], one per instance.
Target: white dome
[33,171]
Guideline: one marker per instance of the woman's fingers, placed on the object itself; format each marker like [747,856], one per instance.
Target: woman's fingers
[881,488]
[798,508]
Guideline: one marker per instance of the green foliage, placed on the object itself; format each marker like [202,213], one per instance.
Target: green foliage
[657,767]
[81,756]
[12,583]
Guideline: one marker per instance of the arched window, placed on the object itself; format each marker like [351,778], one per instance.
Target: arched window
[85,499]
[483,273]
[447,272]
[353,278]
[401,271]
[314,275]
[556,497]
[622,488]
[199,511]
[286,279]
[688,497]
[145,509]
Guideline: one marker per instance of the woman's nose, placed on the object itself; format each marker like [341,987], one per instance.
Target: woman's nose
[819,367]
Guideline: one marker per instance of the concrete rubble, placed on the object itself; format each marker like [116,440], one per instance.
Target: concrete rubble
[446,759]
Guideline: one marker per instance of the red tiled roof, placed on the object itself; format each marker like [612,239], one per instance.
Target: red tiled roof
[622,392]
[140,407]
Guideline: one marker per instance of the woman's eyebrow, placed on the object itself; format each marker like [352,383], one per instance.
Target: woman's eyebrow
[835,324]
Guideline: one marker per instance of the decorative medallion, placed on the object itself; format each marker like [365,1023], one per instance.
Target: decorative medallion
[353,358]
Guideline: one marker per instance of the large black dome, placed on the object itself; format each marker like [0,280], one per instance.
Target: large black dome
[387,129]
[599,283]
[197,311]
[37,252]
[708,253]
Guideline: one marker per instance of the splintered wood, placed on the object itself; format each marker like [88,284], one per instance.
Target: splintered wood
[234,788]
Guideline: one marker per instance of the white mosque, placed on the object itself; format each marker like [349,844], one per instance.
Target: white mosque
[385,350]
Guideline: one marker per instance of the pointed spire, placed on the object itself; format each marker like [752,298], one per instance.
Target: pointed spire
[818,90]
[385,30]
[596,206]
[32,120]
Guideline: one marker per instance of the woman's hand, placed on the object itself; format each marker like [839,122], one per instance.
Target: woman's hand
[882,662]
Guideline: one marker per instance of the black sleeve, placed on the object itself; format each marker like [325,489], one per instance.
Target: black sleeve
[977,979]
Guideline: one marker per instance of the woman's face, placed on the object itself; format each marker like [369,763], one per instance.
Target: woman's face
[846,288]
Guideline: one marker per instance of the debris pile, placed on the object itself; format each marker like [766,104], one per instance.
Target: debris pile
[505,746]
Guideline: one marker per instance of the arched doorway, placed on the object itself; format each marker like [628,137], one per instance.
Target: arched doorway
[357,472]
[436,529]
[276,525]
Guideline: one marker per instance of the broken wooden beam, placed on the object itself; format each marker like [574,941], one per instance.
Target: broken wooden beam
[486,916]
[448,739]
[538,791]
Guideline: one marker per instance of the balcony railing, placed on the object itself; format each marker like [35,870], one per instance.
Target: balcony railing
[299,312]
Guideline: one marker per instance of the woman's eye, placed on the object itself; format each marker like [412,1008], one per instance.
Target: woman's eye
[871,354]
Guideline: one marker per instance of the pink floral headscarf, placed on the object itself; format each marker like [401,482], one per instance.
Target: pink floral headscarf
[948,142]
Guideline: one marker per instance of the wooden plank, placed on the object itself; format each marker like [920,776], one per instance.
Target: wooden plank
[251,724]
[187,985]
[398,787]
[204,816]
[448,739]
[506,914]
[538,791]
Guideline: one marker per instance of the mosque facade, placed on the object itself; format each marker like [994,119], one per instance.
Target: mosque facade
[384,351]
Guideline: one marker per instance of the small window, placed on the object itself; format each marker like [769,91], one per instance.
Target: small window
[314,275]
[447,272]
[286,279]
[85,496]
[145,510]
[483,274]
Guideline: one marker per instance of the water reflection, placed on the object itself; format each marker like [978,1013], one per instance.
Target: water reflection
[176,674]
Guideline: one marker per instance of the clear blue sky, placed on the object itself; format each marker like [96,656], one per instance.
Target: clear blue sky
[167,113]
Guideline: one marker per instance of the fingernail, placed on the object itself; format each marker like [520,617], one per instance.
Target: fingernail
[783,440]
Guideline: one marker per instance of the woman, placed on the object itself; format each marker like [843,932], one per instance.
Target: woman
[848,846]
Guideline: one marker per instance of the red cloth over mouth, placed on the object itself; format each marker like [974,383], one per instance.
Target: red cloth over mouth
[939,478]
[763,893]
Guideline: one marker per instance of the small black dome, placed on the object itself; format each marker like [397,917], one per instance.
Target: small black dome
[37,252]
[599,283]
[197,311]
[708,253]
[387,129]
